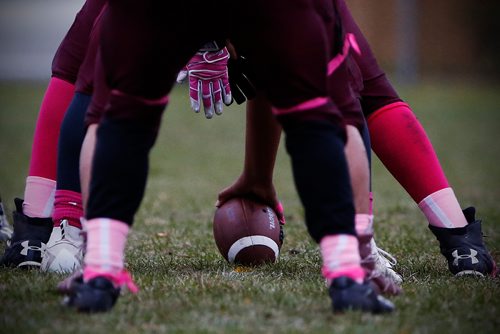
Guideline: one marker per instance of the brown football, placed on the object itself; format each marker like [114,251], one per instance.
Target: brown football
[247,232]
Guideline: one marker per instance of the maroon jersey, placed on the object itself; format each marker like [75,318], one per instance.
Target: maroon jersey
[357,76]
[368,81]
[85,82]
[340,81]
[157,43]
[73,48]
[145,43]
[100,94]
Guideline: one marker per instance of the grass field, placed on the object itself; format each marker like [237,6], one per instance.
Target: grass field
[185,285]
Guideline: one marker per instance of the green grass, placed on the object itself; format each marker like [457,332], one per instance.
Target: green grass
[186,286]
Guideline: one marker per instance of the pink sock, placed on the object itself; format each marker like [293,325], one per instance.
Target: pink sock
[341,257]
[44,151]
[39,197]
[402,145]
[442,209]
[68,205]
[106,239]
[363,224]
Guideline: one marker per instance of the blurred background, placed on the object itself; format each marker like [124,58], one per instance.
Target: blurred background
[428,39]
[30,32]
[413,39]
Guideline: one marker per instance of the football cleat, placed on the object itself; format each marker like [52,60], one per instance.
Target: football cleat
[97,294]
[5,229]
[348,295]
[27,246]
[378,266]
[464,248]
[64,251]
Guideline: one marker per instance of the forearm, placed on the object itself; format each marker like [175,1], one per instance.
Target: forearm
[262,141]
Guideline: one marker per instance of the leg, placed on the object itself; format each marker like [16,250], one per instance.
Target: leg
[32,219]
[397,135]
[403,146]
[125,135]
[314,140]
[65,247]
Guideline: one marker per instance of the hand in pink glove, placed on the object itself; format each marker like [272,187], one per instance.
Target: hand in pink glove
[208,81]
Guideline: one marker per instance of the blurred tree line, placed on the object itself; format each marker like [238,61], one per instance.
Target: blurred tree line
[455,39]
[483,17]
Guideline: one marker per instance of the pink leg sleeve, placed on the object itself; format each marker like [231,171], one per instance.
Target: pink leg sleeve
[402,145]
[44,152]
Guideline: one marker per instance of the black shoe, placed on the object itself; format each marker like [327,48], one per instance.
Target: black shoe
[27,246]
[464,248]
[97,295]
[348,295]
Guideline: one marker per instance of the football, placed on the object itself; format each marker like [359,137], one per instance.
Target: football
[247,232]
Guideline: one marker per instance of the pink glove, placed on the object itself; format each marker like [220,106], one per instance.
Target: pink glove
[208,81]
[280,213]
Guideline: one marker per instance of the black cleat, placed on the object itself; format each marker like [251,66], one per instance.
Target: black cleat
[27,246]
[348,295]
[97,295]
[464,248]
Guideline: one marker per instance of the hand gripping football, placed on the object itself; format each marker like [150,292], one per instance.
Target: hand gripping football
[247,232]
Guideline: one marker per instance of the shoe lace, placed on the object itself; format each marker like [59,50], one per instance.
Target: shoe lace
[386,257]
[384,262]
[63,224]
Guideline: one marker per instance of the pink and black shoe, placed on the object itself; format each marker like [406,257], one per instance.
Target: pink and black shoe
[92,292]
[348,295]
[464,248]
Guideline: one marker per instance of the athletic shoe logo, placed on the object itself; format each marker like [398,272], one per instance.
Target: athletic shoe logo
[471,256]
[27,247]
